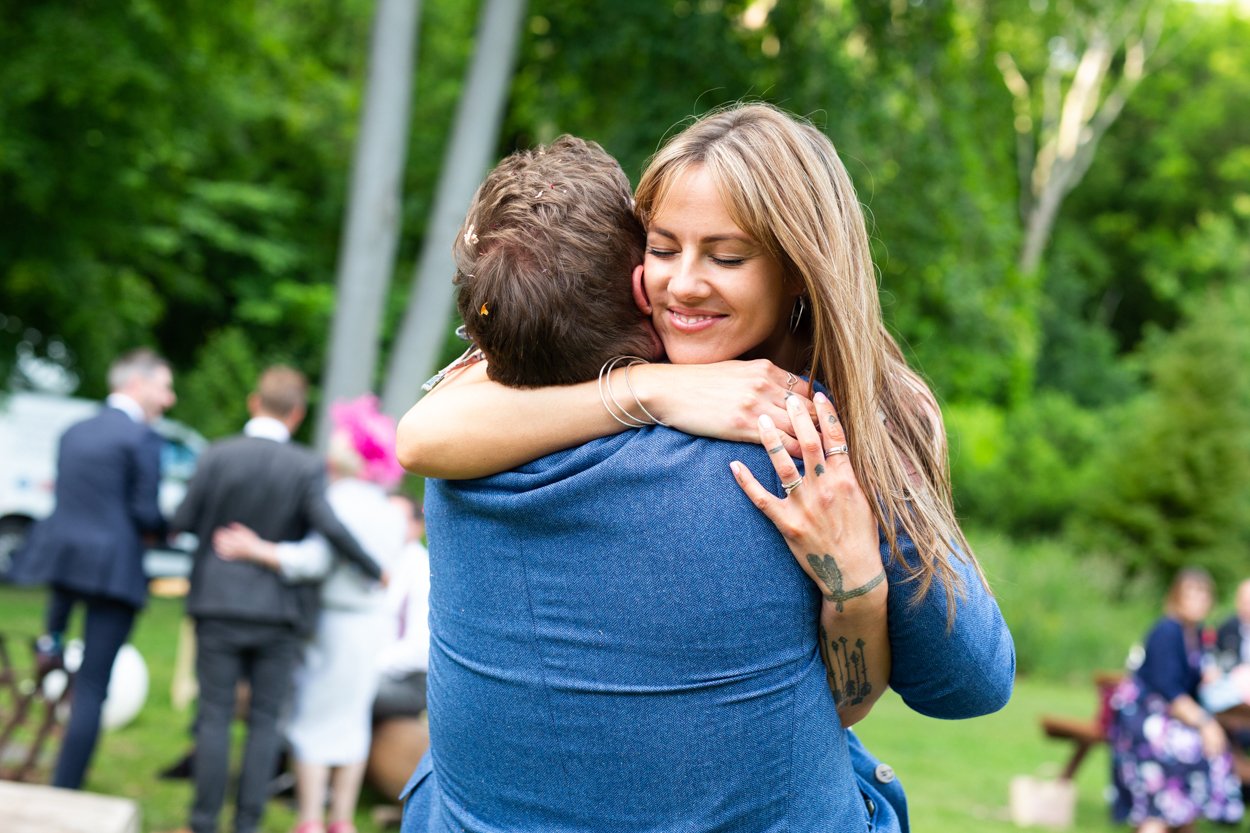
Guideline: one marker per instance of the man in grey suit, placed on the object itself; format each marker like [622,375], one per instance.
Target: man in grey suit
[90,549]
[250,623]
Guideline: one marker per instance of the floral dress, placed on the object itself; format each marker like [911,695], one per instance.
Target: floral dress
[1158,769]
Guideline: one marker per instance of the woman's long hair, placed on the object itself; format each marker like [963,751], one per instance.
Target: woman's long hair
[782,183]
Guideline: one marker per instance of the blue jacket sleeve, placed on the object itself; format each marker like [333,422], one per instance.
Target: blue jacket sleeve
[964,670]
[1165,668]
[146,483]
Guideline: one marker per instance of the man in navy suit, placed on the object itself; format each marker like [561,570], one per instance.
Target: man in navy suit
[90,549]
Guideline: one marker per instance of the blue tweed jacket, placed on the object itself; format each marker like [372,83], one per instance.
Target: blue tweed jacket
[621,641]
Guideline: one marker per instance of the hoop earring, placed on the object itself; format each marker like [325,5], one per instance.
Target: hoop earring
[796,314]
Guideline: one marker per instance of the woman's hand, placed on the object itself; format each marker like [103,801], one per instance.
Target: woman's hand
[825,518]
[829,526]
[1214,740]
[723,400]
[237,542]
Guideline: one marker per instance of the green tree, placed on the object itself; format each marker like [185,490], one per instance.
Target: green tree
[1161,215]
[1178,485]
[166,171]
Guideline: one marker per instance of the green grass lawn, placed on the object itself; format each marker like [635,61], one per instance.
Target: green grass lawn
[956,773]
[127,760]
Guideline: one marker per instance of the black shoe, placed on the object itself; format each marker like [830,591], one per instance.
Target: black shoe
[181,770]
[282,785]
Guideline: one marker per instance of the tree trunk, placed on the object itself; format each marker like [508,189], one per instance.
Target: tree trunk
[1040,223]
[470,152]
[1073,121]
[371,226]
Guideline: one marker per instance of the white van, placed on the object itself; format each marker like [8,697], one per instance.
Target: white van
[31,425]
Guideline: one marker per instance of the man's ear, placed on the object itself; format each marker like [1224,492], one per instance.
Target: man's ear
[294,418]
[640,291]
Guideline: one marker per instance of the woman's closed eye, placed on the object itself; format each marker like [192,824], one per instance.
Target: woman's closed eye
[720,260]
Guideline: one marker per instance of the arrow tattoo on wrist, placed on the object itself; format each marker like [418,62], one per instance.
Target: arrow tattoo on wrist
[826,569]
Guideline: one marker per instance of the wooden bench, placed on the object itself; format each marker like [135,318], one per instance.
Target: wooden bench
[1084,734]
[31,722]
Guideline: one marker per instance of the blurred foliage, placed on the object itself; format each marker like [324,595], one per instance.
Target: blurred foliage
[1024,469]
[175,174]
[169,170]
[211,390]
[1163,213]
[1041,584]
[1178,472]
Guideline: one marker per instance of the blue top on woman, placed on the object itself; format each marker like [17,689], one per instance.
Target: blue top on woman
[622,642]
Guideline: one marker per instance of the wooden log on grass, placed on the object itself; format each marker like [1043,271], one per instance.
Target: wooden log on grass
[31,808]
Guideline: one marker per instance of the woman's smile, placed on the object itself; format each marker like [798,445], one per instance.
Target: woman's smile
[692,321]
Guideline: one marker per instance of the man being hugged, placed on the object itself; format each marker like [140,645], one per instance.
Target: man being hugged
[620,639]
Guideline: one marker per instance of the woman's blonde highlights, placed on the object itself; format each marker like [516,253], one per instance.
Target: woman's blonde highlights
[783,183]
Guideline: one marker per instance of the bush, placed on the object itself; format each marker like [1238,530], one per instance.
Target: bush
[1027,469]
[1178,475]
[1070,613]
[212,396]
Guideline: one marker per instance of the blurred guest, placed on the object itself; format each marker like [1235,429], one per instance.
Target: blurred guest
[400,730]
[1232,640]
[1225,688]
[90,549]
[330,727]
[1170,759]
[403,662]
[251,623]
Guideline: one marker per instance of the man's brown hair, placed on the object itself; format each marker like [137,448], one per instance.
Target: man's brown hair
[281,390]
[543,263]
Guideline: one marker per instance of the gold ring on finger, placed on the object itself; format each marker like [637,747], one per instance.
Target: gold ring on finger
[790,487]
[790,380]
[838,449]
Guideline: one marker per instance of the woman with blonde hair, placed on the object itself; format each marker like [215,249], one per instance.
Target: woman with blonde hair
[758,280]
[780,182]
[791,282]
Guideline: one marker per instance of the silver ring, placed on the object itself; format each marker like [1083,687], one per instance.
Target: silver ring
[838,449]
[790,487]
[790,380]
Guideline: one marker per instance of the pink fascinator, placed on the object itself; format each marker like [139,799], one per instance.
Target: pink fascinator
[372,435]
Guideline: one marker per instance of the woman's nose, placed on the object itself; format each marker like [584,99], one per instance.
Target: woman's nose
[687,279]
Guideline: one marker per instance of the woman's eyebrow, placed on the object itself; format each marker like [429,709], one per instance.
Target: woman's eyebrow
[711,238]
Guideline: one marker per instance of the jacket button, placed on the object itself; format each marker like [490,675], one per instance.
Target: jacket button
[884,773]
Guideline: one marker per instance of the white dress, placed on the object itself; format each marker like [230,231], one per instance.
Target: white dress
[335,687]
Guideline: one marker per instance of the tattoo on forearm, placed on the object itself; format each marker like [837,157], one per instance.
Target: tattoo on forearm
[826,569]
[846,669]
